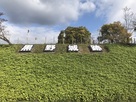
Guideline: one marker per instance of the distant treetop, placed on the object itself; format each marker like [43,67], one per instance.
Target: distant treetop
[74,35]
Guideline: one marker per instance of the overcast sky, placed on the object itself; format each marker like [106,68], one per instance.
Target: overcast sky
[46,18]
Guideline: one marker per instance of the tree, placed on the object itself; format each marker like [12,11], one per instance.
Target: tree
[130,20]
[3,32]
[76,35]
[115,33]
[60,37]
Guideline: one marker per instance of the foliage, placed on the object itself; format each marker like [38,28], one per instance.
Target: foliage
[3,32]
[76,35]
[115,33]
[61,37]
[68,77]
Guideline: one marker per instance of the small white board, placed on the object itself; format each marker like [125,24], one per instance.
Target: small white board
[50,48]
[73,48]
[26,48]
[96,48]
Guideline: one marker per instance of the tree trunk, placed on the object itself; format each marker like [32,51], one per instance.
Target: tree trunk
[5,39]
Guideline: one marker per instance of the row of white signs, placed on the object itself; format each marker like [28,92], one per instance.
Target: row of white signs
[51,48]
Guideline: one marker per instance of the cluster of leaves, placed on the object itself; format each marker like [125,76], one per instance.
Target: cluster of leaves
[68,77]
[115,33]
[76,35]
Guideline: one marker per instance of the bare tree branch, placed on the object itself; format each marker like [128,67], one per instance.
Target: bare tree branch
[3,32]
[130,20]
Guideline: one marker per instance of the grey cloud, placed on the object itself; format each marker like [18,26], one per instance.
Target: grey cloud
[47,12]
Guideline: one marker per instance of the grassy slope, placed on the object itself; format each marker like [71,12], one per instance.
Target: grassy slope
[68,76]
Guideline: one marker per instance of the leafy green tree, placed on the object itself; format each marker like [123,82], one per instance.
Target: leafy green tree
[73,35]
[115,33]
[3,32]
[61,36]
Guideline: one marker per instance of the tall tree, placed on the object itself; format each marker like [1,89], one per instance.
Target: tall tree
[130,20]
[3,31]
[61,37]
[73,35]
[115,33]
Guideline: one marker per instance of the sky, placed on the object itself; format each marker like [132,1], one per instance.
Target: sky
[46,18]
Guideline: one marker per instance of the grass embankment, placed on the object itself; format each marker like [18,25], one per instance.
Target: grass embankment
[66,77]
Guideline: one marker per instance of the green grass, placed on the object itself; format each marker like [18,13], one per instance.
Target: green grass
[68,77]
